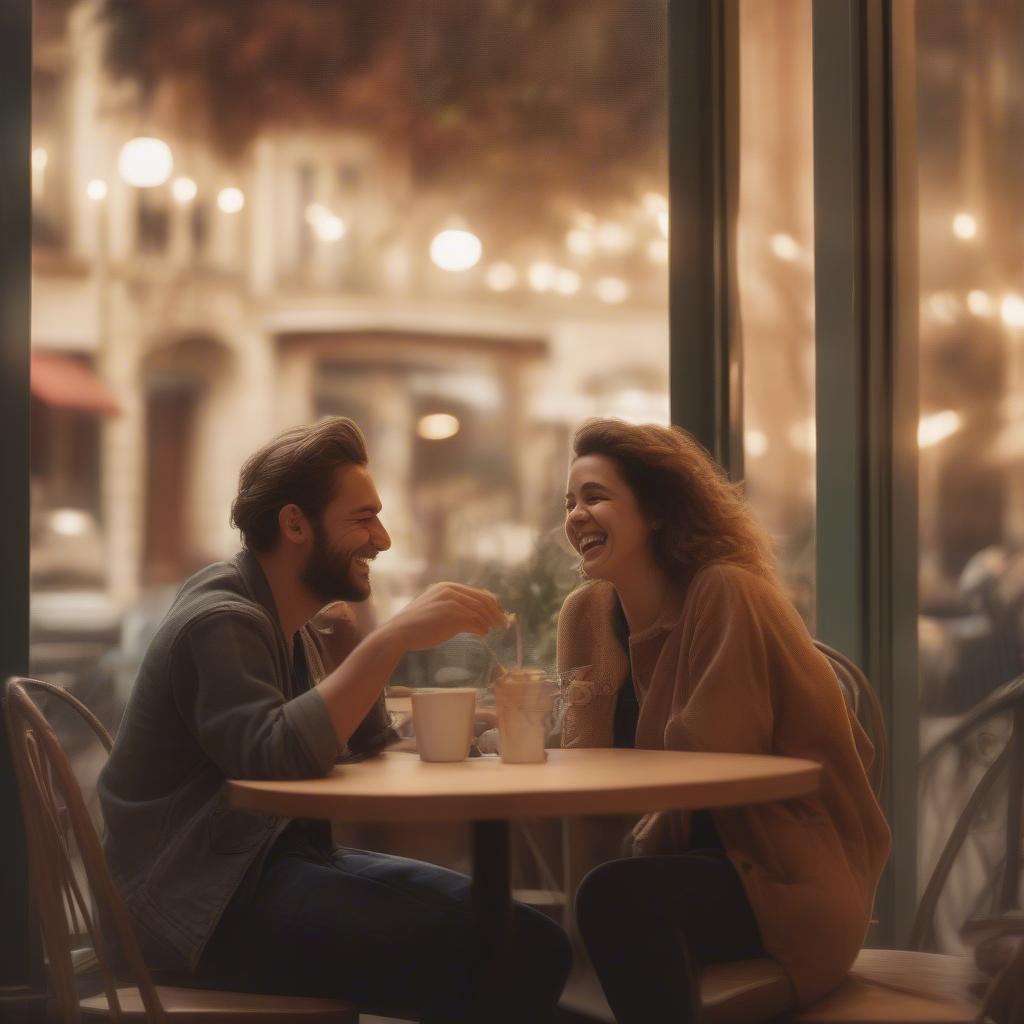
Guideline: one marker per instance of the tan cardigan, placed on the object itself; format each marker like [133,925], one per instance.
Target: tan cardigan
[730,667]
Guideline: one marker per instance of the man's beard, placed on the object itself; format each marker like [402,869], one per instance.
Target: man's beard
[328,574]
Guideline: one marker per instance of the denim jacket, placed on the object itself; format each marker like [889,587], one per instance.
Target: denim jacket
[215,698]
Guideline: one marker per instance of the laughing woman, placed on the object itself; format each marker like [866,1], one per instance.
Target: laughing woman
[683,639]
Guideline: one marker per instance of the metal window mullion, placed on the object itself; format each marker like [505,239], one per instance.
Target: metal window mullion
[705,359]
[866,394]
[15,232]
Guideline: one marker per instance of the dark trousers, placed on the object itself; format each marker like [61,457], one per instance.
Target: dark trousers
[393,936]
[649,922]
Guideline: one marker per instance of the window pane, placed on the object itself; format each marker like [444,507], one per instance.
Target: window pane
[776,280]
[447,221]
[971,432]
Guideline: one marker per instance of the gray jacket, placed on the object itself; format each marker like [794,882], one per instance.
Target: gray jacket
[215,698]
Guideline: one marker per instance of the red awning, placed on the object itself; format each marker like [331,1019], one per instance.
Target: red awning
[68,384]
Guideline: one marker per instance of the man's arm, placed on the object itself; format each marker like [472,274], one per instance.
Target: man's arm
[435,616]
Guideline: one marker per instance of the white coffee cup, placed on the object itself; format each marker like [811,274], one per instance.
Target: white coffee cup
[443,720]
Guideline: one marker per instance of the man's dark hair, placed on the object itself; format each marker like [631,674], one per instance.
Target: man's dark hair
[296,467]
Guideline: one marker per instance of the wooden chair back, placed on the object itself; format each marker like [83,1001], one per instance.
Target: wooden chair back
[863,701]
[1008,769]
[55,817]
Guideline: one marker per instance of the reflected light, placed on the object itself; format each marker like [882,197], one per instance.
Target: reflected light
[755,443]
[40,158]
[803,436]
[785,247]
[663,222]
[230,200]
[145,162]
[579,241]
[964,226]
[437,426]
[655,202]
[327,226]
[184,190]
[500,277]
[454,250]
[980,303]
[614,237]
[611,290]
[69,522]
[1012,310]
[567,282]
[657,250]
[96,190]
[937,427]
[542,275]
[942,307]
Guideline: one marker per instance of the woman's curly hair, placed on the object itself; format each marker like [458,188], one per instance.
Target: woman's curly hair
[699,517]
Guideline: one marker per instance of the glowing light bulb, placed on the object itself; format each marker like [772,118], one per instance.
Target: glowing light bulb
[937,427]
[230,200]
[145,162]
[965,227]
[438,426]
[184,190]
[455,250]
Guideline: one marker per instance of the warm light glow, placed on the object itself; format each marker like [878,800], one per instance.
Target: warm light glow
[663,222]
[40,158]
[456,250]
[579,242]
[964,226]
[327,226]
[96,190]
[803,436]
[230,200]
[1012,310]
[937,427]
[755,443]
[567,282]
[657,250]
[69,522]
[980,303]
[184,190]
[145,162]
[942,307]
[437,426]
[785,247]
[541,275]
[655,202]
[611,290]
[614,237]
[500,277]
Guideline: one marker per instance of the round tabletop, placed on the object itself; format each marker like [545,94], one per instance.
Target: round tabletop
[396,787]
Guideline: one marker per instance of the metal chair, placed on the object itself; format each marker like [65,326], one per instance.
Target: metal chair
[57,822]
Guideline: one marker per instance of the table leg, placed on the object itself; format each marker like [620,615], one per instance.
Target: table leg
[492,901]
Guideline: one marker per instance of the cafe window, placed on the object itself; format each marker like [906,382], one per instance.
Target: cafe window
[970,99]
[776,281]
[456,233]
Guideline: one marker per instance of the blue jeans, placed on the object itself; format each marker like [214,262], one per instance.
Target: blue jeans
[393,936]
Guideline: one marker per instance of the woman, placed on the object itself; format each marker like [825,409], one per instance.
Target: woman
[684,640]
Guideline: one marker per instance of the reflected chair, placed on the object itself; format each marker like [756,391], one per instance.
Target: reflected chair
[74,904]
[912,986]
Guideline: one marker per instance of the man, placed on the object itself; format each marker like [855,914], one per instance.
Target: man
[237,684]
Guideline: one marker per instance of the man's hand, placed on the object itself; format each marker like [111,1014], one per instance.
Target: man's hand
[443,610]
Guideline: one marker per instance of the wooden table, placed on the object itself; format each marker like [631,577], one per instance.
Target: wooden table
[399,787]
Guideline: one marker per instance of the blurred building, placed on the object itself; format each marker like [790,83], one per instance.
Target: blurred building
[177,325]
